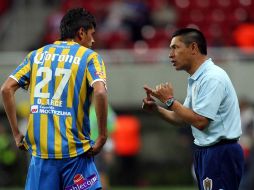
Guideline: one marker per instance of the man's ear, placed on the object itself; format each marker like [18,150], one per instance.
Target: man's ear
[194,48]
[81,32]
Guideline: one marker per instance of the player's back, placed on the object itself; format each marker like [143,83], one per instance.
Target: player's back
[60,98]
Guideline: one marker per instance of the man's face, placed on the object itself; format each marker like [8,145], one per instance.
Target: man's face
[180,54]
[88,39]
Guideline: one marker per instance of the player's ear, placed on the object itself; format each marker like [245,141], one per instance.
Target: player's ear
[81,32]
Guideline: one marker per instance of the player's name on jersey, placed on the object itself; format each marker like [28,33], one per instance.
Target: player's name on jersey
[41,57]
[49,102]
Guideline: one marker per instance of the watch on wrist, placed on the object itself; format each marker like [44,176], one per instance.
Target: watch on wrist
[170,102]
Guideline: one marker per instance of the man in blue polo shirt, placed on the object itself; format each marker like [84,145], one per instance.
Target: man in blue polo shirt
[211,108]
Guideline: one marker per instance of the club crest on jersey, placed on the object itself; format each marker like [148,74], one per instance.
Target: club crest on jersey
[81,183]
[207,184]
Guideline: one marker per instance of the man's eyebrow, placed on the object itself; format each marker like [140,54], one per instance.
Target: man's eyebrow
[172,46]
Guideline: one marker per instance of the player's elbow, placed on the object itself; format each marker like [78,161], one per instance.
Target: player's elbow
[99,88]
[100,93]
[103,138]
[5,90]
[101,96]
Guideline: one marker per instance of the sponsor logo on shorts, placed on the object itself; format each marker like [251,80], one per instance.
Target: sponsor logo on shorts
[208,184]
[81,183]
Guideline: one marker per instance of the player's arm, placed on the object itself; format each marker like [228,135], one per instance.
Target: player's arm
[8,90]
[101,108]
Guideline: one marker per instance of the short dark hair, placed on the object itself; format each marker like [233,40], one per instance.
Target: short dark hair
[73,20]
[191,35]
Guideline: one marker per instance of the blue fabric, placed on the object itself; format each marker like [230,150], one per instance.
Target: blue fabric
[63,174]
[59,77]
[219,167]
[211,94]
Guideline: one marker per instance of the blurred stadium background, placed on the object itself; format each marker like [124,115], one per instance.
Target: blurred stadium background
[133,38]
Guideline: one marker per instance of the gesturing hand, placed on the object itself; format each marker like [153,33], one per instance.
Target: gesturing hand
[162,92]
[149,103]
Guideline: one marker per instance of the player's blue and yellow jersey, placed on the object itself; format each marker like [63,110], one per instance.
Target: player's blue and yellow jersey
[59,77]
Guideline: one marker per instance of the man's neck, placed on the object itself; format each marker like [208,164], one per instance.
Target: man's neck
[196,63]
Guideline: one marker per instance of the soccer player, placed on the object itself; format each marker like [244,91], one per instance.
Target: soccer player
[211,109]
[62,79]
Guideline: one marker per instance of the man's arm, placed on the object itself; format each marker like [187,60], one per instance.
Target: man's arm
[101,108]
[150,105]
[179,114]
[8,90]
[189,116]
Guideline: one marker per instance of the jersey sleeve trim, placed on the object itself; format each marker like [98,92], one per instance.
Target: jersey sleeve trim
[96,80]
[11,76]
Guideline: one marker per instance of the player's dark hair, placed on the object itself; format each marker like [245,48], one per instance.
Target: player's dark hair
[191,35]
[73,20]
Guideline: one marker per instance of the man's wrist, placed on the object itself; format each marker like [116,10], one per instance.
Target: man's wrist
[170,102]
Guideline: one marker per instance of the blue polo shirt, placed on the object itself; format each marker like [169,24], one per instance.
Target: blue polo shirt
[210,93]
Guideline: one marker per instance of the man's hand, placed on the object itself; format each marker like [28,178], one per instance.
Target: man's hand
[149,103]
[162,92]
[94,150]
[19,139]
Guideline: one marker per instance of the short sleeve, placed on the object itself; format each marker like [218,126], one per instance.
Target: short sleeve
[208,98]
[96,70]
[22,73]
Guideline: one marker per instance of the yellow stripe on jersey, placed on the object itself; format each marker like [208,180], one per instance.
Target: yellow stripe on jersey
[89,77]
[100,70]
[33,78]
[47,64]
[57,42]
[69,135]
[30,133]
[44,118]
[24,69]
[60,65]
[44,135]
[58,138]
[80,113]
[91,56]
[74,70]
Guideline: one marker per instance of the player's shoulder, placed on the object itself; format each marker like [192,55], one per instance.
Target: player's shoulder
[91,54]
[39,49]
[90,51]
